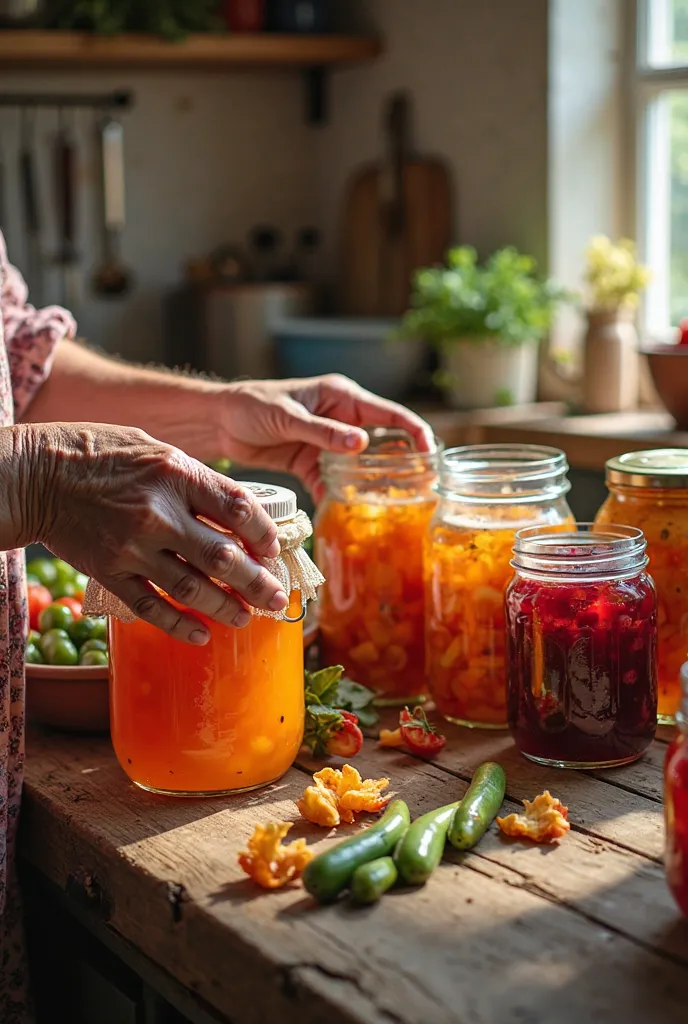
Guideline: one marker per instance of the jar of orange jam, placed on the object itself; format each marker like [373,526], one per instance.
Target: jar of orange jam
[649,490]
[487,493]
[226,717]
[369,545]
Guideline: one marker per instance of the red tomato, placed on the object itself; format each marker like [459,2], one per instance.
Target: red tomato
[419,735]
[683,332]
[39,598]
[72,602]
[348,739]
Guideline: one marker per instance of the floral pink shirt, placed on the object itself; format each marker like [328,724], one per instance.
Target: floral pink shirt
[27,343]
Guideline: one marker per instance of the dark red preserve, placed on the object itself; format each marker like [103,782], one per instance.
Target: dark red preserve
[581,646]
[676,804]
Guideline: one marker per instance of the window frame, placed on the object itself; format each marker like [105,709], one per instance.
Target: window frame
[647,160]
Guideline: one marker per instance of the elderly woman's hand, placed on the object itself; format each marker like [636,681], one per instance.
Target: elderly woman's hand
[124,509]
[285,424]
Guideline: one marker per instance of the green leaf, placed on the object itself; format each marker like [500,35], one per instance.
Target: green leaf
[351,696]
[321,722]
[321,687]
[367,717]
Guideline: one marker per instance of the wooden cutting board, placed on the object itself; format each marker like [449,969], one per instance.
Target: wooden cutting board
[397,217]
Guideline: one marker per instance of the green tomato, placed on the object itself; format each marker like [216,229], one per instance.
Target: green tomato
[82,630]
[93,645]
[33,581]
[33,656]
[43,569]
[100,632]
[49,639]
[34,637]
[62,652]
[93,658]
[64,572]
[66,589]
[55,616]
[81,581]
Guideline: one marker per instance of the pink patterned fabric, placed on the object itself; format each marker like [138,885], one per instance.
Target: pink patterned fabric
[26,353]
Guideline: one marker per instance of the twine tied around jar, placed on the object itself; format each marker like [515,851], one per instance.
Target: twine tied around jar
[293,568]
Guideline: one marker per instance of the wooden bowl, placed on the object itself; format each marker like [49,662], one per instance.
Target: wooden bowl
[669,368]
[70,698]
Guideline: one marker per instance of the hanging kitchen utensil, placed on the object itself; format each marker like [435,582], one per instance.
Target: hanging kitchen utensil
[112,278]
[392,254]
[65,168]
[265,242]
[30,207]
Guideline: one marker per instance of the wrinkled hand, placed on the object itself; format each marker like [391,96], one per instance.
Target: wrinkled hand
[286,424]
[123,508]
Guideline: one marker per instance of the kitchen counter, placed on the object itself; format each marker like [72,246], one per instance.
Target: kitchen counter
[513,933]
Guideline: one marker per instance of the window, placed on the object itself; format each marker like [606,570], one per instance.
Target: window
[662,95]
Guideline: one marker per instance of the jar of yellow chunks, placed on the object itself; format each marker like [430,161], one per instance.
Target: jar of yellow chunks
[487,493]
[369,535]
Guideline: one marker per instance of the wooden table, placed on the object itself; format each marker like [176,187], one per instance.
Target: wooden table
[512,934]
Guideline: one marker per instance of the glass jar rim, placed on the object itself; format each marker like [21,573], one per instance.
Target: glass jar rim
[506,472]
[587,551]
[365,462]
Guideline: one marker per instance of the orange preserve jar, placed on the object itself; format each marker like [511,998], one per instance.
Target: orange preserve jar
[487,493]
[676,804]
[649,490]
[226,717]
[369,544]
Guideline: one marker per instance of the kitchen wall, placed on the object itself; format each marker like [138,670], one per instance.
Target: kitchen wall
[209,155]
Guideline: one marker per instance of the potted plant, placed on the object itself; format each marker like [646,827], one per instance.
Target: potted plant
[614,280]
[486,320]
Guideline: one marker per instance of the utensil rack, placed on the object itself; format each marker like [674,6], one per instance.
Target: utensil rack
[118,100]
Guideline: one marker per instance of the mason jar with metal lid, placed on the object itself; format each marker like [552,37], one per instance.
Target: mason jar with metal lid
[649,490]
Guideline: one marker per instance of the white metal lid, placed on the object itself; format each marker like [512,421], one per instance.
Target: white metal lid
[279,502]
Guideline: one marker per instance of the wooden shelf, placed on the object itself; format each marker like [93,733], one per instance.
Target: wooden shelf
[71,50]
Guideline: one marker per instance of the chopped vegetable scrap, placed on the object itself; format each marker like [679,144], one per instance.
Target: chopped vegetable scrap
[415,733]
[545,820]
[268,861]
[391,738]
[338,796]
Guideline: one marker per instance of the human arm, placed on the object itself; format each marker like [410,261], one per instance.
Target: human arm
[124,509]
[282,425]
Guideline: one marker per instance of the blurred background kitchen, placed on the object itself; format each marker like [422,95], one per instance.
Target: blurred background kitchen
[247,187]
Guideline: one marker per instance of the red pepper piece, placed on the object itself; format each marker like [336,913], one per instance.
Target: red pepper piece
[419,735]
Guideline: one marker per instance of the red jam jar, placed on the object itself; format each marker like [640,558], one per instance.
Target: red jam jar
[676,804]
[581,646]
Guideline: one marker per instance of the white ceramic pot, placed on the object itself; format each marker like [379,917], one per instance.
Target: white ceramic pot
[481,373]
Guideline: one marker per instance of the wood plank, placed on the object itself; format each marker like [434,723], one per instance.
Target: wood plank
[458,428]
[32,49]
[589,441]
[419,958]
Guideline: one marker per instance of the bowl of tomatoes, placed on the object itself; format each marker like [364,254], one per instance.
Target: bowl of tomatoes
[66,656]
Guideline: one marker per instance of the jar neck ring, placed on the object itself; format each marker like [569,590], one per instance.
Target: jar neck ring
[379,470]
[503,474]
[587,553]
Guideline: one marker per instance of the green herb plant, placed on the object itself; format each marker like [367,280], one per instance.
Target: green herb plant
[502,300]
[172,19]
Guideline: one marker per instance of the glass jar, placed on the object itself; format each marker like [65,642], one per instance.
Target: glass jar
[581,646]
[650,490]
[487,493]
[676,804]
[226,717]
[369,544]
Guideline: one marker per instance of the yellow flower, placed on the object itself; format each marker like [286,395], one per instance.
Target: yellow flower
[340,795]
[270,863]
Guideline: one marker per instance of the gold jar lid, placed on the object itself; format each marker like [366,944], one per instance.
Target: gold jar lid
[660,467]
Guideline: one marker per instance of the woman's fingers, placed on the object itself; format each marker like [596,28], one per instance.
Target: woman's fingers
[147,604]
[185,585]
[221,558]
[233,507]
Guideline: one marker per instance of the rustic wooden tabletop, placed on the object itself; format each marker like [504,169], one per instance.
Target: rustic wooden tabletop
[510,934]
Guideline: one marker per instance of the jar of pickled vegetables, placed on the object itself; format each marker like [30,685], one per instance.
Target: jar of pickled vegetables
[650,490]
[369,544]
[225,717]
[487,493]
[676,804]
[581,646]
